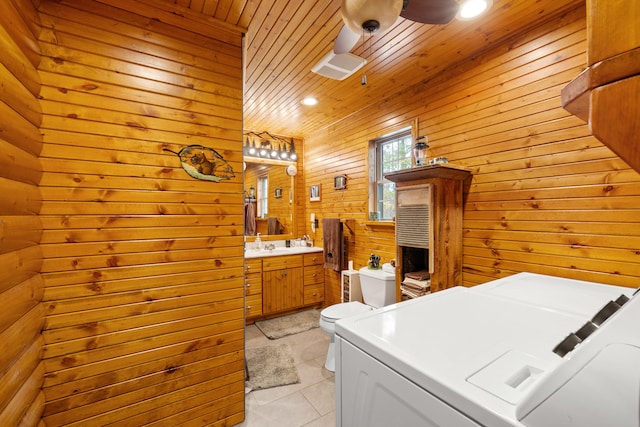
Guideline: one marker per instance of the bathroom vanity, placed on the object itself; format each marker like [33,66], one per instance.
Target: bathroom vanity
[282,280]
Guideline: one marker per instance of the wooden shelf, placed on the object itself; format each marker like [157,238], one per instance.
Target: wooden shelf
[446,170]
[373,224]
[576,95]
[349,223]
[607,94]
[441,187]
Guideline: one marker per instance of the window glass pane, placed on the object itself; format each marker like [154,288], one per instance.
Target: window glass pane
[263,197]
[387,200]
[393,153]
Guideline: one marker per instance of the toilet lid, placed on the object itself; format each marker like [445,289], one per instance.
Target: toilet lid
[338,311]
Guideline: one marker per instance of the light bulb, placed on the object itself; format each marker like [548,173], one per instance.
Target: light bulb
[470,9]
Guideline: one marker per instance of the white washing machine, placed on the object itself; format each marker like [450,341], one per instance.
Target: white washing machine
[492,356]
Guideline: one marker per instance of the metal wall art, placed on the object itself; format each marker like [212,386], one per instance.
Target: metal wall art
[204,163]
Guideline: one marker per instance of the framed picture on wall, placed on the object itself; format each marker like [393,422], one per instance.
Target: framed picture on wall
[314,193]
[340,182]
[278,192]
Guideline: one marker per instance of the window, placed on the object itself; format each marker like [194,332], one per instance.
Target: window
[389,153]
[263,196]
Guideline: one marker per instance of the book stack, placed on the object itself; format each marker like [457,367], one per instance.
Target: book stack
[416,284]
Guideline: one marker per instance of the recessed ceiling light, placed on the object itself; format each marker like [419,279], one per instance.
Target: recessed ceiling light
[309,100]
[470,9]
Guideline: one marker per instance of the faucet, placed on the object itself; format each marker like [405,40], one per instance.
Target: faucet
[258,241]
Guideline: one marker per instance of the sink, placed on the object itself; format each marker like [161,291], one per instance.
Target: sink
[256,253]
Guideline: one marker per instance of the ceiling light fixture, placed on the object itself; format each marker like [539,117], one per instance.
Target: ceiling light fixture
[370,15]
[309,101]
[470,9]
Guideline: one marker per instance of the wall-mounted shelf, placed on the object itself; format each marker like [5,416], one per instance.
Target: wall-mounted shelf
[373,224]
[350,223]
[447,171]
[607,93]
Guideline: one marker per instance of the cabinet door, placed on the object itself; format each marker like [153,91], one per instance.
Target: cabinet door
[282,290]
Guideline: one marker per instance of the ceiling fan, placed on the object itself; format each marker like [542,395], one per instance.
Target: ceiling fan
[370,16]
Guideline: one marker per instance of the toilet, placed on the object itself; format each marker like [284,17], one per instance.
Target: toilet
[378,290]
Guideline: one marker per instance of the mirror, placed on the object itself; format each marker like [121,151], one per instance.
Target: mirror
[268,199]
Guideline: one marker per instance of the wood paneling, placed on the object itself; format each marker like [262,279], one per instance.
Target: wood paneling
[285,40]
[143,271]
[545,197]
[21,286]
[140,266]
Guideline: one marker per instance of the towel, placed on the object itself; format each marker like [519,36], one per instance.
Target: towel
[273,226]
[418,275]
[332,236]
[388,268]
[250,219]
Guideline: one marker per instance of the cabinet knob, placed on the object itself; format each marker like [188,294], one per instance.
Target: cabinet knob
[315,294]
[313,275]
[248,285]
[249,307]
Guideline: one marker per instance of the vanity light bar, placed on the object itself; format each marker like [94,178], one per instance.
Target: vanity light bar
[270,147]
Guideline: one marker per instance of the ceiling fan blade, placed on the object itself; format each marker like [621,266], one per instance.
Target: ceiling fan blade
[430,11]
[345,41]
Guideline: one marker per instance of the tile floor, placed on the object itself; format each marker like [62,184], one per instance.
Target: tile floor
[311,403]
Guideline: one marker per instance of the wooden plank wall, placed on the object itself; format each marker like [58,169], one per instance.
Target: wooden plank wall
[546,196]
[143,264]
[21,286]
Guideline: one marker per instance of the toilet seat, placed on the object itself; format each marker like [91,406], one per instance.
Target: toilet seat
[328,318]
[345,309]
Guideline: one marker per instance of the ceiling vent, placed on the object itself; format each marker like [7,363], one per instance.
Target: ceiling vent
[338,66]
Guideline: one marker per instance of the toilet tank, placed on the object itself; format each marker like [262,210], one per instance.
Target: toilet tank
[378,287]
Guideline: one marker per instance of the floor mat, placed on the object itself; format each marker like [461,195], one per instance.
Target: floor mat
[287,325]
[270,366]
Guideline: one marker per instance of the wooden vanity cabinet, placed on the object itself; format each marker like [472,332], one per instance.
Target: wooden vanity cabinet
[253,287]
[282,283]
[313,278]
[278,284]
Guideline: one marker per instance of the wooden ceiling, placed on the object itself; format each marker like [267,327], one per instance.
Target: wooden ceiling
[284,40]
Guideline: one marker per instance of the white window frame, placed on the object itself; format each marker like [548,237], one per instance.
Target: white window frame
[376,177]
[262,197]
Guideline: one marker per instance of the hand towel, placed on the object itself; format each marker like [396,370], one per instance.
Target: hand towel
[249,218]
[332,236]
[273,226]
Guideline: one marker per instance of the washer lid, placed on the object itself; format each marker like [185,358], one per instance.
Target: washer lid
[339,311]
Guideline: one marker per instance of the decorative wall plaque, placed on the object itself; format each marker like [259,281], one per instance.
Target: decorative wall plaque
[204,163]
